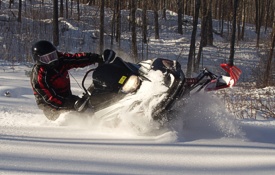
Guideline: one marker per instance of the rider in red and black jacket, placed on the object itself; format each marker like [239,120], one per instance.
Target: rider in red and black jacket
[50,78]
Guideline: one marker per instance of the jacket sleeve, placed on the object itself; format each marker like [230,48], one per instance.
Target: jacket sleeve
[44,93]
[78,59]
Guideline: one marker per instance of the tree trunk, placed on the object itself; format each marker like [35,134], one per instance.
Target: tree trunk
[72,7]
[220,14]
[233,36]
[198,59]
[209,30]
[118,21]
[267,16]
[61,9]
[163,9]
[156,16]
[114,21]
[258,19]
[130,13]
[78,10]
[270,58]
[193,39]
[133,29]
[55,23]
[206,30]
[223,5]
[180,11]
[203,23]
[101,27]
[67,9]
[243,19]
[230,5]
[10,2]
[144,21]
[19,11]
[238,27]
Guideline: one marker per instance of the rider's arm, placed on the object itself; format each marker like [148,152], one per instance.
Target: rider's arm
[79,59]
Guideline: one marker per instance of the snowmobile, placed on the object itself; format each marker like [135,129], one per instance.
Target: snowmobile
[116,80]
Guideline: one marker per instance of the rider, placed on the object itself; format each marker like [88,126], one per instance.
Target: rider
[50,78]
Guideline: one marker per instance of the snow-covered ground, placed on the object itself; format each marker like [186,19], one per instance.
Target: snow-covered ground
[205,139]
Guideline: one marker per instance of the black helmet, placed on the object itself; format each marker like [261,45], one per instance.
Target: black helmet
[44,52]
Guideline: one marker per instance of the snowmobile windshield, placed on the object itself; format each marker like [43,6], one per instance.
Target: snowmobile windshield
[48,58]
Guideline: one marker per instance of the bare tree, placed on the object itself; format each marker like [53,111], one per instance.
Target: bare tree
[91,2]
[55,23]
[164,9]
[19,11]
[193,39]
[61,7]
[10,3]
[144,21]
[206,30]
[222,17]
[133,28]
[180,14]
[118,21]
[188,7]
[144,26]
[225,13]
[204,17]
[101,27]
[267,14]
[67,9]
[241,37]
[233,36]
[78,10]
[259,7]
[209,26]
[156,16]
[71,7]
[113,23]
[203,41]
[270,58]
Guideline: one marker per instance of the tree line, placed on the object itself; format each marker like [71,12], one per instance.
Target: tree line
[233,16]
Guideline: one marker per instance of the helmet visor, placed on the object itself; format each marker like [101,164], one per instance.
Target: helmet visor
[48,58]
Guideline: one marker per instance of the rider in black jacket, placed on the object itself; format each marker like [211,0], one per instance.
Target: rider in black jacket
[50,79]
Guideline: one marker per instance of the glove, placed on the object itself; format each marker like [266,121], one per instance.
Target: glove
[108,56]
[95,58]
[99,59]
[70,102]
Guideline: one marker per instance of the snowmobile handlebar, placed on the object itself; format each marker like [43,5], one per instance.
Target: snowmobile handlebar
[210,81]
[84,78]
